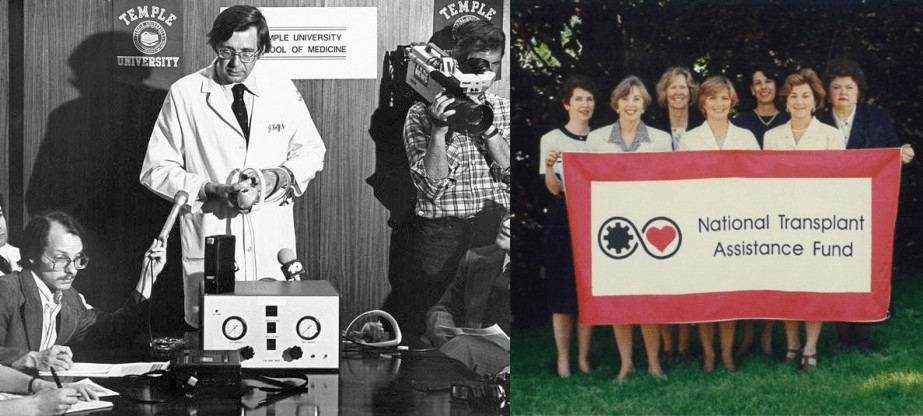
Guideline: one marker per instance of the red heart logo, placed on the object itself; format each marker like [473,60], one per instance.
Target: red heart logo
[661,237]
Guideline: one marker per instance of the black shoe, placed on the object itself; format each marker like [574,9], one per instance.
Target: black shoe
[864,346]
[841,345]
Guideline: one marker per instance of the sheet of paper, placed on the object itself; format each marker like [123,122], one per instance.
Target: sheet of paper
[100,390]
[108,370]
[82,406]
[491,330]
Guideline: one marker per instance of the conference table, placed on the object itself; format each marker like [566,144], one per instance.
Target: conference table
[365,384]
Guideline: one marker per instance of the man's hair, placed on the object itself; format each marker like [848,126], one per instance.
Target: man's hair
[35,236]
[2,205]
[478,36]
[236,19]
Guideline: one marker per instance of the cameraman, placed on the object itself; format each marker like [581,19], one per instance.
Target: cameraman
[462,180]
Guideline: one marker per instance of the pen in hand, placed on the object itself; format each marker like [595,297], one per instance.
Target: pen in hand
[57,381]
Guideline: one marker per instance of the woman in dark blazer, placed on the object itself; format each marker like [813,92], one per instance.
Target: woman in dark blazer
[864,127]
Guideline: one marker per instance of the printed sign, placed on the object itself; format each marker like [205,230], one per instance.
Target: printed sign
[705,236]
[148,42]
[322,42]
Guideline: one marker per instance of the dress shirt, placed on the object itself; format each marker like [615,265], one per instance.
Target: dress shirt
[249,101]
[845,126]
[469,186]
[50,309]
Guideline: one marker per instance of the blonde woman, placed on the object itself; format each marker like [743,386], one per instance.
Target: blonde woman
[716,99]
[676,92]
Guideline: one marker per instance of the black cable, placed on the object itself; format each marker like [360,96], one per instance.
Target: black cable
[155,375]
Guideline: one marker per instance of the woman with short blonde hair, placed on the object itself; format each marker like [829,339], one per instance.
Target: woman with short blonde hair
[676,92]
[628,135]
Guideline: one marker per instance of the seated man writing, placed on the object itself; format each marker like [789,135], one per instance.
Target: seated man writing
[479,297]
[45,397]
[41,313]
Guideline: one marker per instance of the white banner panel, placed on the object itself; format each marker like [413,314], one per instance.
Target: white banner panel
[323,42]
[726,234]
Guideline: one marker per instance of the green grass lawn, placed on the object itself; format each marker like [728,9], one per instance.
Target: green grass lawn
[887,381]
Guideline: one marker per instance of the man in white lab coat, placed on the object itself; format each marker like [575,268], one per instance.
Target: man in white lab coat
[225,118]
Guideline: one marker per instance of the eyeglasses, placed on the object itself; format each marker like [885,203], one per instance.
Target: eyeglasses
[245,56]
[61,263]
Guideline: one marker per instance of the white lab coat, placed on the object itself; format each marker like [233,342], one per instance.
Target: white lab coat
[197,139]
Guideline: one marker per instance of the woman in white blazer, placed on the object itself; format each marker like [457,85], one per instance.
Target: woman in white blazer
[803,94]
[716,99]
[629,134]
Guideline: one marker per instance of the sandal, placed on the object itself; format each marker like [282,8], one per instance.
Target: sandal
[790,355]
[808,362]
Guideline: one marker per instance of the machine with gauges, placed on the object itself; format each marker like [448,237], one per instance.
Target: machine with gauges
[285,324]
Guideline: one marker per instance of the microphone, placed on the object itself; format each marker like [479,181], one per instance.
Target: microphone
[291,266]
[178,201]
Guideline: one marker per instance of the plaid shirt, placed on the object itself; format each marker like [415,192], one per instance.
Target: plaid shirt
[469,184]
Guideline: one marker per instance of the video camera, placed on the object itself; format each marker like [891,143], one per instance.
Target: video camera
[431,70]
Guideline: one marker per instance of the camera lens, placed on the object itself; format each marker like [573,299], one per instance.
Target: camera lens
[471,118]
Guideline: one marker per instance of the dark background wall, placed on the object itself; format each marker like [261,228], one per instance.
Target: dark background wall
[82,138]
[609,40]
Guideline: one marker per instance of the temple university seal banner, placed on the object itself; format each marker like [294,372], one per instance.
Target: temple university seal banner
[708,236]
[449,14]
[148,42]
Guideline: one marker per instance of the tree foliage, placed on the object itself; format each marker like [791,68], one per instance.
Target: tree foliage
[609,40]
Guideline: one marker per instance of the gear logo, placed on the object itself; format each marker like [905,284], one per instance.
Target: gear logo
[618,238]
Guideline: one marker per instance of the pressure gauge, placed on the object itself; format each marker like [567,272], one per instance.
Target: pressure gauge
[308,328]
[234,328]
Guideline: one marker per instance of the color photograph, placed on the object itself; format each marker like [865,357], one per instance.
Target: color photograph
[716,207]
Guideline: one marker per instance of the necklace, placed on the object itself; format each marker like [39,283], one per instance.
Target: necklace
[766,123]
[800,131]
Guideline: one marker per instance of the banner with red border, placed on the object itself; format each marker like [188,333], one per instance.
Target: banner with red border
[710,236]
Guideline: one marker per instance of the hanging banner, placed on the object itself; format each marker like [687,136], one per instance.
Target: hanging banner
[449,14]
[147,38]
[322,42]
[710,236]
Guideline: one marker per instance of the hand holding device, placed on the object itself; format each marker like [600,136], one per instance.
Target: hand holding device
[291,266]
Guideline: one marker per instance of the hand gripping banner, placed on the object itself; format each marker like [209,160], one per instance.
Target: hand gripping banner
[709,236]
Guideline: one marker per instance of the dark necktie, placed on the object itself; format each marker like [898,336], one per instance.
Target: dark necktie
[240,109]
[5,266]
